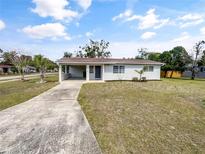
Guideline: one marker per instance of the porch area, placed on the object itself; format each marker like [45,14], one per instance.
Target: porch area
[81,72]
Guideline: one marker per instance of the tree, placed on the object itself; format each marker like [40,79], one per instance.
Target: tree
[202,60]
[19,61]
[94,49]
[142,53]
[68,54]
[180,58]
[198,48]
[175,60]
[6,56]
[51,65]
[79,54]
[166,58]
[140,72]
[154,56]
[1,54]
[41,64]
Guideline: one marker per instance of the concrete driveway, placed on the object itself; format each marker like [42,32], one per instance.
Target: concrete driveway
[49,123]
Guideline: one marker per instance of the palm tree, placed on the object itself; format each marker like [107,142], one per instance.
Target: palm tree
[41,64]
[140,72]
[19,61]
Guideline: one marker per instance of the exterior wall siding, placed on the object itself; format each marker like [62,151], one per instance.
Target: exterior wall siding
[130,73]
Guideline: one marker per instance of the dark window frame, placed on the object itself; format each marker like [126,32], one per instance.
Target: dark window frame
[115,69]
[118,69]
[122,69]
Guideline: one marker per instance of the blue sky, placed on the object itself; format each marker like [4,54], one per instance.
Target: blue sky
[51,27]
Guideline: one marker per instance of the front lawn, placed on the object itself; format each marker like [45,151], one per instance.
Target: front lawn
[15,92]
[165,116]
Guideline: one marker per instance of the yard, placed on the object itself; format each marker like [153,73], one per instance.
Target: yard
[165,116]
[15,92]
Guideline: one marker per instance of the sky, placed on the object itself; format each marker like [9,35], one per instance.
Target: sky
[52,27]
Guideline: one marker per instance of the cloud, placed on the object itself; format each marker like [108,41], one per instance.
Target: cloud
[129,48]
[54,8]
[202,30]
[2,25]
[85,4]
[48,30]
[89,34]
[190,19]
[150,20]
[123,15]
[147,35]
[182,37]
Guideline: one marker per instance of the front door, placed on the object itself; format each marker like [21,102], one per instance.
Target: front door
[97,72]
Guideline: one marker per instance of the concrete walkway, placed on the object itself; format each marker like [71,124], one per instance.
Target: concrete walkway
[49,123]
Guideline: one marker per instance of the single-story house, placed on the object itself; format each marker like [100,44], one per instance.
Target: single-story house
[4,68]
[106,69]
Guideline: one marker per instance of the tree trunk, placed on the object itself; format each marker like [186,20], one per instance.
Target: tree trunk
[171,74]
[22,74]
[20,71]
[165,74]
[42,76]
[193,74]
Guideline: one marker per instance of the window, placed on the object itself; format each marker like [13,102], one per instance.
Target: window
[122,69]
[151,68]
[148,68]
[118,69]
[202,69]
[115,69]
[91,69]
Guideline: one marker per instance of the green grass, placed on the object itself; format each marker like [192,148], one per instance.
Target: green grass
[165,116]
[15,92]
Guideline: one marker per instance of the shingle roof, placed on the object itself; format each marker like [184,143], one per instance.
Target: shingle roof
[77,60]
[5,66]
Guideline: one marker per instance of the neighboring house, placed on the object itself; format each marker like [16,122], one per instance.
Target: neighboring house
[200,72]
[4,68]
[106,69]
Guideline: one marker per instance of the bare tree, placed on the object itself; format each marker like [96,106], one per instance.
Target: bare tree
[198,49]
[1,54]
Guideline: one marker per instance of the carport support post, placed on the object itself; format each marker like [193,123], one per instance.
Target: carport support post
[87,72]
[60,73]
[103,70]
[66,70]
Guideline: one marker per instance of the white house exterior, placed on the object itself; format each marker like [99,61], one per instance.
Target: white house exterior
[106,69]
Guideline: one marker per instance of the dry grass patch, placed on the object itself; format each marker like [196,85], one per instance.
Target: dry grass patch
[15,92]
[153,117]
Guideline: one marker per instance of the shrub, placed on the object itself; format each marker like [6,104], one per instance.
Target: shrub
[144,79]
[135,79]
